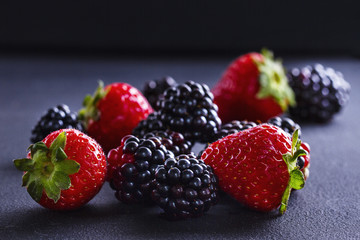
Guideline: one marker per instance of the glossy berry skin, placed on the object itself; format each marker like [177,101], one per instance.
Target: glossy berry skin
[153,90]
[87,182]
[131,168]
[320,93]
[113,112]
[55,118]
[241,95]
[185,187]
[250,167]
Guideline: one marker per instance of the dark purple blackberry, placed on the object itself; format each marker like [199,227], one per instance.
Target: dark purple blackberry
[153,90]
[152,123]
[173,141]
[287,124]
[189,109]
[134,180]
[320,93]
[185,187]
[55,118]
[233,127]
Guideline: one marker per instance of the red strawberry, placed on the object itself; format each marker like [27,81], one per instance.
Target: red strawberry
[113,112]
[257,166]
[64,171]
[256,86]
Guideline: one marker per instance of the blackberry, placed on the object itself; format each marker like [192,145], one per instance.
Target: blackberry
[287,124]
[320,93]
[185,187]
[189,109]
[173,141]
[233,127]
[151,123]
[153,90]
[132,168]
[55,118]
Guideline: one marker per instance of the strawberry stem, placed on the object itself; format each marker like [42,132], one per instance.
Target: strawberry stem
[48,169]
[89,111]
[273,81]
[296,177]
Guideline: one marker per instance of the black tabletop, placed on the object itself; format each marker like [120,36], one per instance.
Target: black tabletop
[327,208]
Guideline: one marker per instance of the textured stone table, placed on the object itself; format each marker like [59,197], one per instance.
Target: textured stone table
[327,208]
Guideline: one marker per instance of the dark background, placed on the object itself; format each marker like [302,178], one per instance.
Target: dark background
[179,27]
[54,52]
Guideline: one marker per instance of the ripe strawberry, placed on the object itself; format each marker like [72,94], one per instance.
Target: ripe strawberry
[256,86]
[112,113]
[258,166]
[64,171]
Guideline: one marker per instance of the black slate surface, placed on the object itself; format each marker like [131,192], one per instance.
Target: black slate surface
[327,208]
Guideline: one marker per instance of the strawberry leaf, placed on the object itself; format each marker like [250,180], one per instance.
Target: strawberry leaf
[60,155]
[67,166]
[51,190]
[39,146]
[285,200]
[35,189]
[24,164]
[59,142]
[297,180]
[295,140]
[61,180]
[300,152]
[25,179]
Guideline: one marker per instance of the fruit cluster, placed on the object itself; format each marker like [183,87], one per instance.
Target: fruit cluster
[142,144]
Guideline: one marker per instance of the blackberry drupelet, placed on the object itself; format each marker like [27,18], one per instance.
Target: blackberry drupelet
[153,90]
[55,118]
[173,141]
[189,109]
[185,187]
[320,93]
[287,124]
[132,168]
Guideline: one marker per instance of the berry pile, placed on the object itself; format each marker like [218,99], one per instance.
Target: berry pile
[320,93]
[185,187]
[153,90]
[54,119]
[132,168]
[149,158]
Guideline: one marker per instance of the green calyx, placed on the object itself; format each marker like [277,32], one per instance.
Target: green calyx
[90,110]
[273,81]
[296,178]
[48,169]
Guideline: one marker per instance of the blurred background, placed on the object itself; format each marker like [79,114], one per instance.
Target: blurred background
[179,27]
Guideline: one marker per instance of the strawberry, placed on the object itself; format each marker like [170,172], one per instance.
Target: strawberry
[112,113]
[258,166]
[256,86]
[64,171]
